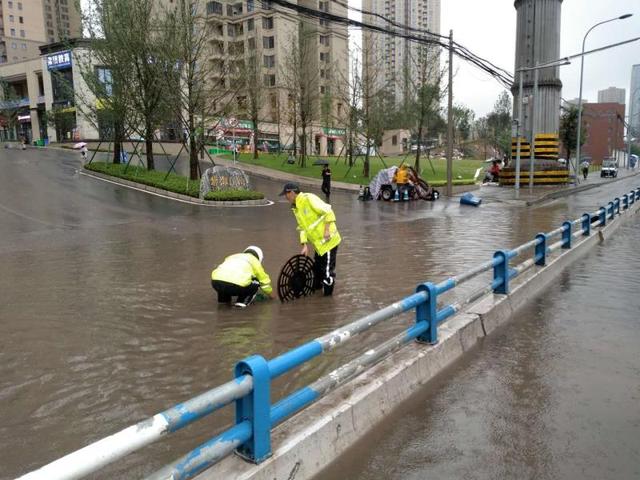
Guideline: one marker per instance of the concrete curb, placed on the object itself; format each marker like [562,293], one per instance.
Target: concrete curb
[309,441]
[173,195]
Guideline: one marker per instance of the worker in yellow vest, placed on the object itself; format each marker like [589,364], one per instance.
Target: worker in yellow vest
[317,225]
[241,275]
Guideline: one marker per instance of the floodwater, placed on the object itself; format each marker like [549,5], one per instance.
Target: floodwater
[553,394]
[108,316]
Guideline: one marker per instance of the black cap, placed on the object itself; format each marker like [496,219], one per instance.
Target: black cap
[290,187]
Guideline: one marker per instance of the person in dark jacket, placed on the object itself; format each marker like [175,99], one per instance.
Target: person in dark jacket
[326,181]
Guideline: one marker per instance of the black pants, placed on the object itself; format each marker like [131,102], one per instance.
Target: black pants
[326,188]
[324,270]
[227,290]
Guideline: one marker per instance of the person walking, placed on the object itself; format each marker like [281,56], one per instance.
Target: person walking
[241,275]
[317,225]
[326,181]
[585,169]
[83,152]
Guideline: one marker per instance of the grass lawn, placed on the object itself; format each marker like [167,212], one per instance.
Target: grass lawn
[463,170]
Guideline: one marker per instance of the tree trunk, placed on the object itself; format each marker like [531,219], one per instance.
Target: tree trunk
[118,136]
[194,165]
[365,170]
[148,139]
[416,165]
[255,137]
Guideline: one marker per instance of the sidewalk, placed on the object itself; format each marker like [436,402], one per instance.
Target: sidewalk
[270,174]
[493,193]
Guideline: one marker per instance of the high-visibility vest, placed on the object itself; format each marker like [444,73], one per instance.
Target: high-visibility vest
[241,269]
[312,214]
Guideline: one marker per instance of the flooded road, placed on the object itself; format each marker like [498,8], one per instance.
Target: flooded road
[553,394]
[108,315]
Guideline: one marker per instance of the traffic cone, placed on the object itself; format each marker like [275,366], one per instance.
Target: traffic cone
[406,195]
[396,196]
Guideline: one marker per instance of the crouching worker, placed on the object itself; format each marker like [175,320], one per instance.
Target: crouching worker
[241,275]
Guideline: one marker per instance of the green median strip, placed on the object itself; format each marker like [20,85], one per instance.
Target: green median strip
[173,183]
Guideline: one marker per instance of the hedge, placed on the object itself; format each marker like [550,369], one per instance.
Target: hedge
[234,195]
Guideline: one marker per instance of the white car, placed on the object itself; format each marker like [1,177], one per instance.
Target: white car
[609,168]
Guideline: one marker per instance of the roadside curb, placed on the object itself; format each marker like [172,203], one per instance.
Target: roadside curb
[580,188]
[173,195]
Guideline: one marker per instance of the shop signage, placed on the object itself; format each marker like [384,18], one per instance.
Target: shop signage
[334,132]
[59,60]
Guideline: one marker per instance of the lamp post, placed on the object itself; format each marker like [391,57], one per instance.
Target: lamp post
[629,127]
[622,17]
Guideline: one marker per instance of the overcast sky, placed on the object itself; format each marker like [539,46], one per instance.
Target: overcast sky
[488,29]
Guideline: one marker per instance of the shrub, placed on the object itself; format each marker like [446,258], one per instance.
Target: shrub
[173,183]
[234,195]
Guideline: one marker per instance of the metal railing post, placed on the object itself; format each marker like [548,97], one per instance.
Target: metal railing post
[586,224]
[566,234]
[540,255]
[427,312]
[501,273]
[255,408]
[616,203]
[610,210]
[603,216]
[637,193]
[625,201]
[632,197]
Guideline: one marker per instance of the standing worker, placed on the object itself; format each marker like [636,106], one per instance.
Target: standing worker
[326,181]
[241,275]
[317,224]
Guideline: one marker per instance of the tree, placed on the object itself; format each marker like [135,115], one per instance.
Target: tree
[192,61]
[569,129]
[300,79]
[482,130]
[425,94]
[9,104]
[462,119]
[499,123]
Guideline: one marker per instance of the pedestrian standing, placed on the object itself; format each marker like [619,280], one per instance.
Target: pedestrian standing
[326,181]
[317,225]
[83,152]
[585,169]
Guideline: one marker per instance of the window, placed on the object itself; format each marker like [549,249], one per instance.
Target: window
[13,32]
[22,33]
[268,42]
[10,4]
[322,89]
[242,102]
[19,5]
[21,19]
[23,46]
[323,6]
[267,23]
[323,73]
[14,45]
[266,4]
[11,19]
[269,61]
[214,8]
[250,5]
[231,30]
[105,79]
[324,40]
[251,43]
[324,57]
[394,140]
[270,80]
[324,23]
[251,24]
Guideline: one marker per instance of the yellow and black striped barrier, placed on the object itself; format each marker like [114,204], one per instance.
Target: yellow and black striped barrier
[544,176]
[525,148]
[547,146]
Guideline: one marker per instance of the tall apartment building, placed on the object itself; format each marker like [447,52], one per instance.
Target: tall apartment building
[391,61]
[27,24]
[259,28]
[612,95]
[634,102]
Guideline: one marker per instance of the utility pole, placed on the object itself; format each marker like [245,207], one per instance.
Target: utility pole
[450,121]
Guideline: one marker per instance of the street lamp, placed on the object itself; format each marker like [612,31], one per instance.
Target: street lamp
[622,17]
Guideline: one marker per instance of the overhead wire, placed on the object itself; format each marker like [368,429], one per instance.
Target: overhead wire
[424,37]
